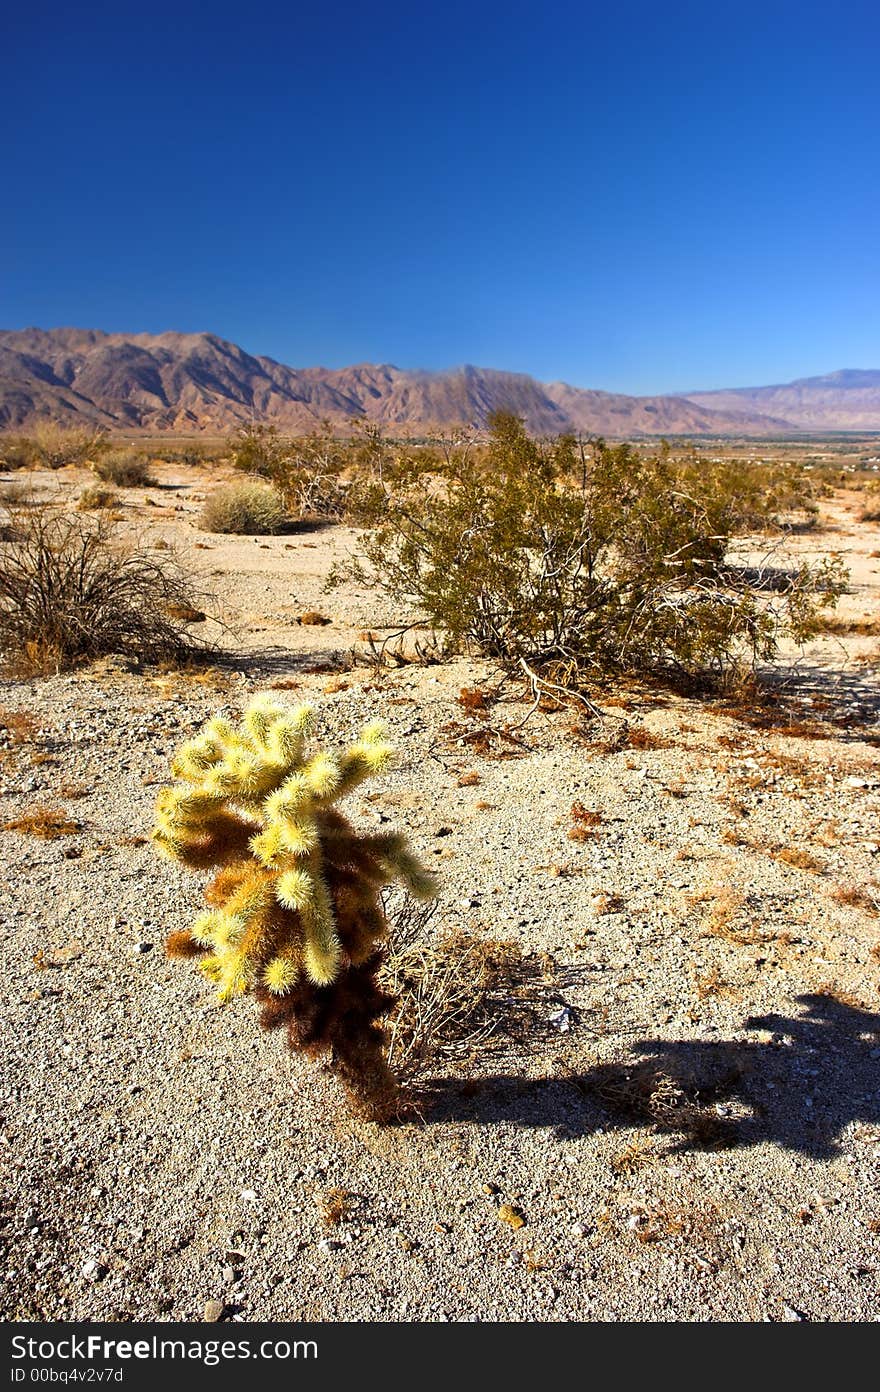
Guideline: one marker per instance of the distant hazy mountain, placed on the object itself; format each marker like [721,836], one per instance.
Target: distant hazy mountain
[198,382]
[845,400]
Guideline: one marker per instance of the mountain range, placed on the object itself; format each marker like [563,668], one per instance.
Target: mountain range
[189,383]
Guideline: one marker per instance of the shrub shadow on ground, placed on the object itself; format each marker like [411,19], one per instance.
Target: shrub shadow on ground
[816,1074]
[843,705]
[269,664]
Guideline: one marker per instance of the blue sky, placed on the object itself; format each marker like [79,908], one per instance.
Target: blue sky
[639,197]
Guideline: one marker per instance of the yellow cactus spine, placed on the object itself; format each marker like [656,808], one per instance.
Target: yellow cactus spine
[296,917]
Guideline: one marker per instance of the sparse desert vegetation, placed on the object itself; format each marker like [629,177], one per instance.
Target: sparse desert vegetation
[248,508]
[72,589]
[576,565]
[57,447]
[96,497]
[646,998]
[124,468]
[439,681]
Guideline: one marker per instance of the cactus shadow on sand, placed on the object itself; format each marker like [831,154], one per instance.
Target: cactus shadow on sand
[800,1086]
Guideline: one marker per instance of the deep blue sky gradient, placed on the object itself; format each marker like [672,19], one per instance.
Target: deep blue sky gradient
[640,197]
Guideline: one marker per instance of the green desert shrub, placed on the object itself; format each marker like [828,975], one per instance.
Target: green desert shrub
[192,453]
[126,468]
[316,477]
[307,471]
[759,497]
[249,507]
[259,449]
[323,476]
[581,564]
[72,590]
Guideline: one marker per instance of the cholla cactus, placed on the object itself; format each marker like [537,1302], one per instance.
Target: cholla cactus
[295,917]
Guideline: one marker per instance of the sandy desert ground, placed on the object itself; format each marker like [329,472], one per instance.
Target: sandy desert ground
[702,1144]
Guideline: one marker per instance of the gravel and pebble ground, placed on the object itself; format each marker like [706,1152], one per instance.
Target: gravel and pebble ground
[713,929]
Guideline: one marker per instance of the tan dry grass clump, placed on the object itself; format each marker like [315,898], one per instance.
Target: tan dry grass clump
[456,993]
[858,897]
[584,820]
[47,823]
[334,1206]
[96,498]
[638,1155]
[20,727]
[644,1092]
[125,468]
[638,737]
[56,446]
[247,507]
[800,859]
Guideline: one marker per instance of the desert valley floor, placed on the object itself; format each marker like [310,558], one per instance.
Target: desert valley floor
[702,1142]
